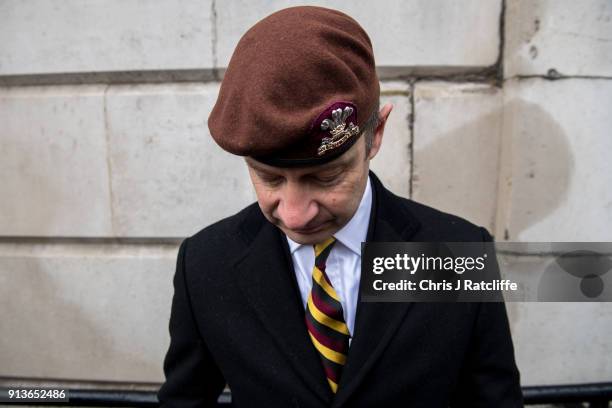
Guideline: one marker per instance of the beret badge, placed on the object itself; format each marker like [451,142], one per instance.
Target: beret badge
[338,130]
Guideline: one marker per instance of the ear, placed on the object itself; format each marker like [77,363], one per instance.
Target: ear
[383,115]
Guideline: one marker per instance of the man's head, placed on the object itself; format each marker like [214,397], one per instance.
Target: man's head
[300,100]
[309,204]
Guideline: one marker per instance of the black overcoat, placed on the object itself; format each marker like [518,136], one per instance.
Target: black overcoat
[237,317]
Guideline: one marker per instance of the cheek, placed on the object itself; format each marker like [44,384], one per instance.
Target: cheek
[338,203]
[266,201]
[345,200]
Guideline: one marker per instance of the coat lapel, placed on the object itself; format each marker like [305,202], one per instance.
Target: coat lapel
[376,323]
[268,284]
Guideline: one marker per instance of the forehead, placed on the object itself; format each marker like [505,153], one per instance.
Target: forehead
[345,160]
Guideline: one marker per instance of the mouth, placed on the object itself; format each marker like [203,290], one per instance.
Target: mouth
[311,230]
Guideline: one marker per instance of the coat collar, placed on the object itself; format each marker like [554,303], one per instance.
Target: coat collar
[265,276]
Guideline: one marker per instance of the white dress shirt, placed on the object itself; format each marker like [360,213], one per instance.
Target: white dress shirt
[343,266]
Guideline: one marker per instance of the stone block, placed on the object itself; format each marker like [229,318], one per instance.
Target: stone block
[43,37]
[169,178]
[85,311]
[53,172]
[558,37]
[420,34]
[561,343]
[555,170]
[456,149]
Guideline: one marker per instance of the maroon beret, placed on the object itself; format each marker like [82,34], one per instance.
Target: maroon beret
[298,88]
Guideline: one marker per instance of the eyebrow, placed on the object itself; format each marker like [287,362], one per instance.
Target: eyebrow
[330,167]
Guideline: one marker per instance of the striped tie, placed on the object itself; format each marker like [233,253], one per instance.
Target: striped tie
[325,319]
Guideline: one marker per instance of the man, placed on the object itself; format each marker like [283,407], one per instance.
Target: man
[267,300]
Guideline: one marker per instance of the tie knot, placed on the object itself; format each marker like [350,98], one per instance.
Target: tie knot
[323,249]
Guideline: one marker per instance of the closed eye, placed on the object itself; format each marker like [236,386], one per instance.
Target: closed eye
[328,179]
[270,179]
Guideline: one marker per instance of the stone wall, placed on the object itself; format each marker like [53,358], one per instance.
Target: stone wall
[501,116]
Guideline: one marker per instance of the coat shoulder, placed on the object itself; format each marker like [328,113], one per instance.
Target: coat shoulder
[426,223]
[441,226]
[227,236]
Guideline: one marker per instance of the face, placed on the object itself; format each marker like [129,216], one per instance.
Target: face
[309,204]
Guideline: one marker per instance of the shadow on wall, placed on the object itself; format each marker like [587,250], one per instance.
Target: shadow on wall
[537,168]
[464,172]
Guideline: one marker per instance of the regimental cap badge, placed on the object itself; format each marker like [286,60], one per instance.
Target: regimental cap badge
[337,127]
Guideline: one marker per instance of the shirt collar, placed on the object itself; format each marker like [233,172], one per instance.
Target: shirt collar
[355,231]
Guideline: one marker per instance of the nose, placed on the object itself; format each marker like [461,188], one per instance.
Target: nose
[296,208]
